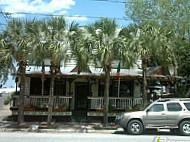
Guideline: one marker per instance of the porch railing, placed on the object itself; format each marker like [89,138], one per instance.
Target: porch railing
[94,102]
[40,100]
[118,103]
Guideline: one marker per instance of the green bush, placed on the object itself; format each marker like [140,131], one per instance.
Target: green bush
[111,108]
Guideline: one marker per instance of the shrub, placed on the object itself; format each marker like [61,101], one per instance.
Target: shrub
[111,108]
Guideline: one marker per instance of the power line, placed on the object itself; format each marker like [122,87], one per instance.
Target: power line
[57,15]
[91,17]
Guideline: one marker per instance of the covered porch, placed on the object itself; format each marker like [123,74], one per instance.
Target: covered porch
[81,95]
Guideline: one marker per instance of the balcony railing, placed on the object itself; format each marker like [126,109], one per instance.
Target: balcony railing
[39,100]
[118,103]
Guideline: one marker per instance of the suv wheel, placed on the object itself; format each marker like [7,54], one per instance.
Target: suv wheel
[135,127]
[185,128]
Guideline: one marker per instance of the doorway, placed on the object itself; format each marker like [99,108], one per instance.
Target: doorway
[81,93]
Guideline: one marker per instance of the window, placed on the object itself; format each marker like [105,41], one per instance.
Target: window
[174,107]
[126,89]
[157,108]
[60,87]
[187,105]
[36,86]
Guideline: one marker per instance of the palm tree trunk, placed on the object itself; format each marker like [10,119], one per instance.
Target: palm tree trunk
[106,94]
[175,74]
[144,69]
[50,103]
[22,67]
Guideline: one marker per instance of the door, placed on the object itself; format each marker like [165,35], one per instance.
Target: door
[81,93]
[174,113]
[156,116]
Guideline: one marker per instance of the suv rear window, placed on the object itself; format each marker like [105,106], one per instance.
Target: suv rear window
[187,105]
[174,107]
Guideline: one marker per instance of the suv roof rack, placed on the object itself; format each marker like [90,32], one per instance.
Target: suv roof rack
[172,99]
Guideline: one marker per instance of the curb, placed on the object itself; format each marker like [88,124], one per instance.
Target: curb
[57,131]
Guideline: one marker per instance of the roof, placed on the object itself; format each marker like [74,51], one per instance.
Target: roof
[133,73]
[76,70]
[159,70]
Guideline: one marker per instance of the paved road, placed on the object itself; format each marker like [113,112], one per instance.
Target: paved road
[83,137]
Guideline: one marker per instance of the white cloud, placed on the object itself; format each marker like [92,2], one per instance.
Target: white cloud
[77,18]
[38,6]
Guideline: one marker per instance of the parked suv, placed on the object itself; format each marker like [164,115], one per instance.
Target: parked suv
[170,113]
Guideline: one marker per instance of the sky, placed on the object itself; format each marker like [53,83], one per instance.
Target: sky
[86,9]
[83,8]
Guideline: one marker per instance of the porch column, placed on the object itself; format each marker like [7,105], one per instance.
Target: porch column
[95,88]
[69,91]
[27,91]
[70,80]
[137,89]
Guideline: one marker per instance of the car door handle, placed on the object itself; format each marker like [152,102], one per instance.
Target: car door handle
[162,113]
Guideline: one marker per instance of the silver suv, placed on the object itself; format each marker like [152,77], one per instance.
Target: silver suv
[168,113]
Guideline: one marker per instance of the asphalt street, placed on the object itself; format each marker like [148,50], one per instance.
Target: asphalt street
[86,137]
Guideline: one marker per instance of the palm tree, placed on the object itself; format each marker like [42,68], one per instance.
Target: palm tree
[107,45]
[150,40]
[17,49]
[54,35]
[6,66]
[177,51]
[129,51]
[57,39]
[39,45]
[80,46]
[52,39]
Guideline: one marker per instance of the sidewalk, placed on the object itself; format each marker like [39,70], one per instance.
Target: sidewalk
[61,127]
[58,128]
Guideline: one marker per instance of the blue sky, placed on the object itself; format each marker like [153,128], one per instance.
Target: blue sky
[76,8]
[83,8]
